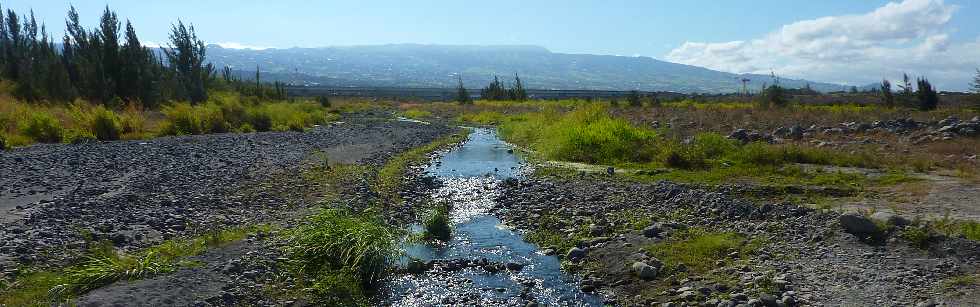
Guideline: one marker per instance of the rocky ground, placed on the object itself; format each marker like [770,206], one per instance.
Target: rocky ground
[808,256]
[56,199]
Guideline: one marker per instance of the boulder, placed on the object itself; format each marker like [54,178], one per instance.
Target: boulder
[857,224]
[576,254]
[644,271]
[652,231]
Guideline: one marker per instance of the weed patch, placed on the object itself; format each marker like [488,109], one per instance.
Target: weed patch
[437,224]
[698,251]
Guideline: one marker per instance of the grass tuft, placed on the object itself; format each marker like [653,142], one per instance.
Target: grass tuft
[437,224]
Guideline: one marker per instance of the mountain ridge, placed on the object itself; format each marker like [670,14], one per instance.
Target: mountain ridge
[431,65]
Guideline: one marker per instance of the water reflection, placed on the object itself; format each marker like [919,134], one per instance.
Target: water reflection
[471,175]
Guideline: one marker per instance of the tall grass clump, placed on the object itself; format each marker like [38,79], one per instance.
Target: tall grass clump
[343,253]
[42,128]
[228,113]
[587,134]
[437,224]
[105,124]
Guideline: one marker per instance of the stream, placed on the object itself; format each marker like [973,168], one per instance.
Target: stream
[471,175]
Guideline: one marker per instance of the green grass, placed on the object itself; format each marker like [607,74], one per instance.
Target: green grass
[953,227]
[227,112]
[417,114]
[481,118]
[343,254]
[587,134]
[103,265]
[698,251]
[436,226]
[548,234]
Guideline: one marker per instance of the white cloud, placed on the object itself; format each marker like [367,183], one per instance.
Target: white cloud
[234,45]
[911,36]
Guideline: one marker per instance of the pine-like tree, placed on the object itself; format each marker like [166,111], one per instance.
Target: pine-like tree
[186,55]
[494,91]
[518,93]
[928,98]
[886,93]
[462,95]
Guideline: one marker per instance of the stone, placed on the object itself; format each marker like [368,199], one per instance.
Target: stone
[644,271]
[652,230]
[857,224]
[768,300]
[512,266]
[576,254]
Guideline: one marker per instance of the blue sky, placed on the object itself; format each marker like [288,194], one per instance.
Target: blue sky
[699,32]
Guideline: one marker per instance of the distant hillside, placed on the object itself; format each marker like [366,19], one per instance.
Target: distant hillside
[410,65]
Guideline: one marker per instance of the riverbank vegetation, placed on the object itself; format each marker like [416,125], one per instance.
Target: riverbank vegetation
[103,265]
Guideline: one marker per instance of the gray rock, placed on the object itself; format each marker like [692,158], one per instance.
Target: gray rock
[644,271]
[576,254]
[857,224]
[652,230]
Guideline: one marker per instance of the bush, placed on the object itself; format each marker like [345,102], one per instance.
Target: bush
[105,125]
[339,241]
[182,119]
[587,134]
[42,128]
[260,120]
[437,225]
[3,142]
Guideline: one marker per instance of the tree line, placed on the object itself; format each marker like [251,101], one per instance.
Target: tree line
[496,90]
[923,95]
[109,64]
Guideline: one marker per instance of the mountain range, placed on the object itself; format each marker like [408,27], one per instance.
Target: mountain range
[416,65]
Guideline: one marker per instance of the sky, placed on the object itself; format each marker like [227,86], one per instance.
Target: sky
[841,41]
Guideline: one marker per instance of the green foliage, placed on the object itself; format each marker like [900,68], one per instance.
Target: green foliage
[888,98]
[634,99]
[324,101]
[927,96]
[587,134]
[437,224]
[699,250]
[42,128]
[104,265]
[336,240]
[916,235]
[105,124]
[462,95]
[226,112]
[417,114]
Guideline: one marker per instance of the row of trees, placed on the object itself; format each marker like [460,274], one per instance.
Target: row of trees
[924,95]
[106,64]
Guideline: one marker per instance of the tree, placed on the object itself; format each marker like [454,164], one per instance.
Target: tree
[186,54]
[518,93]
[634,99]
[462,96]
[886,92]
[494,91]
[927,96]
[906,85]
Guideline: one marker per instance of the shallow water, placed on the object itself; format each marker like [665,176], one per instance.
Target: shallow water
[471,175]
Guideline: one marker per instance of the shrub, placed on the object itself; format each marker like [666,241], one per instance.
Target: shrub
[260,120]
[917,236]
[337,240]
[587,134]
[43,128]
[3,142]
[437,225]
[182,119]
[105,125]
